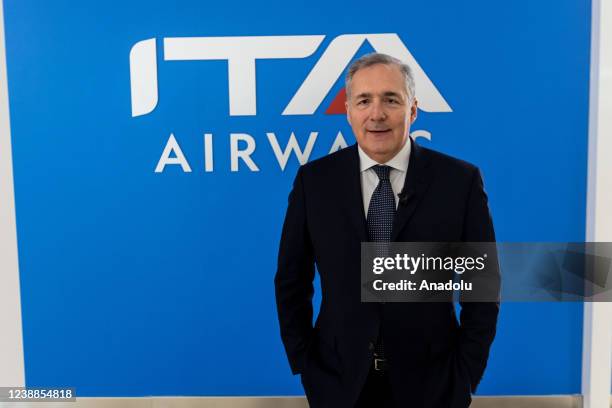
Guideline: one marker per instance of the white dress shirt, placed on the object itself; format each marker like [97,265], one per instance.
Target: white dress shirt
[397,175]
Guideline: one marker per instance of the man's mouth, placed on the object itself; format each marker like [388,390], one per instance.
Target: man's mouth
[378,131]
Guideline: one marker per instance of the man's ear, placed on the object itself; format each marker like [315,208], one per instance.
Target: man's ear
[413,111]
[348,116]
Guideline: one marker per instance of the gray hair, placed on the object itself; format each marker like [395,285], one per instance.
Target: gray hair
[377,58]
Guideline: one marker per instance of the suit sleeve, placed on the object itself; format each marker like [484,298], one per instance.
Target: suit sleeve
[294,279]
[478,320]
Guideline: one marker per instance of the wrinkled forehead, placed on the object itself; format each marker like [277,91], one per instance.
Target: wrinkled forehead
[378,80]
[382,94]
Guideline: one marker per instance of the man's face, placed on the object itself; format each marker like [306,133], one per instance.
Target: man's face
[380,111]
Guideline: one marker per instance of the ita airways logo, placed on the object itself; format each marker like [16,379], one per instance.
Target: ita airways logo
[243,53]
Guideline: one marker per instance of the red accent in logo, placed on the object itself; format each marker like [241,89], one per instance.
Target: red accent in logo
[337,106]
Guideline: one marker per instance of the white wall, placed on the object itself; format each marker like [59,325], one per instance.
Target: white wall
[11,345]
[597,335]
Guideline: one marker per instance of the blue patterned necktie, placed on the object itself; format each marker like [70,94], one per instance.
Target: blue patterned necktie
[382,207]
[380,223]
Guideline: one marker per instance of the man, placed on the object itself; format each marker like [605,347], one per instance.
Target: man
[385,188]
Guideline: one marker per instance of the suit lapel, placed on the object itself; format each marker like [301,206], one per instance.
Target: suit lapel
[415,186]
[351,194]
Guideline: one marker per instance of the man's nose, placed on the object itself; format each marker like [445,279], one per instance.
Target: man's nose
[377,112]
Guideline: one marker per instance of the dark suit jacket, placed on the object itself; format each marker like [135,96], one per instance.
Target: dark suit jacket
[435,361]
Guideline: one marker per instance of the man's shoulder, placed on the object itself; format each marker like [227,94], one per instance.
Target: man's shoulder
[341,161]
[333,163]
[444,163]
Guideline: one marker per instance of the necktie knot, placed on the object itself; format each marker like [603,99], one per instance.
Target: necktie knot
[382,172]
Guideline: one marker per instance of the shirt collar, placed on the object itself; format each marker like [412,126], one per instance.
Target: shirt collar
[398,162]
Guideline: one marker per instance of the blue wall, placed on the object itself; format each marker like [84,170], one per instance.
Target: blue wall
[142,283]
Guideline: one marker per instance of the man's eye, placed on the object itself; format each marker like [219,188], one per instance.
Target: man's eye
[392,101]
[362,102]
